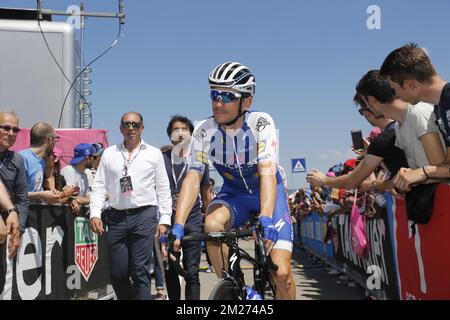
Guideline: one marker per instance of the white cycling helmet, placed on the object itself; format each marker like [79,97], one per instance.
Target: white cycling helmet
[233,75]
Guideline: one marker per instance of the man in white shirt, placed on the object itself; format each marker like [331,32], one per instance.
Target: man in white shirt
[134,176]
[75,175]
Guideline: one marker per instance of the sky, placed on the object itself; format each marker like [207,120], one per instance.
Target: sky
[307,56]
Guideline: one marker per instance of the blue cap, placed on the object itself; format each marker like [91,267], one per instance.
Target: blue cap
[81,152]
[98,146]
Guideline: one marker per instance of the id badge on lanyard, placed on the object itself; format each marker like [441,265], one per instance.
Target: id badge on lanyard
[126,185]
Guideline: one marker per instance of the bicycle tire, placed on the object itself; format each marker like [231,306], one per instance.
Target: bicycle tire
[224,290]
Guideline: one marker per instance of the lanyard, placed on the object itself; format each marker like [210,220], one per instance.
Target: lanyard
[175,180]
[127,163]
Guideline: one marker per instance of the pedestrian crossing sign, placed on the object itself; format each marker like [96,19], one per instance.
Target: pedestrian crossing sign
[298,165]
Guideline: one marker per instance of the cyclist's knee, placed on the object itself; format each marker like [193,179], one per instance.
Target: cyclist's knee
[283,277]
[214,223]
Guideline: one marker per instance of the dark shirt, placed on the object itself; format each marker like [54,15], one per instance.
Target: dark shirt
[384,147]
[442,112]
[195,214]
[12,173]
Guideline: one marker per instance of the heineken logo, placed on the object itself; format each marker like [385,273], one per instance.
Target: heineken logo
[86,247]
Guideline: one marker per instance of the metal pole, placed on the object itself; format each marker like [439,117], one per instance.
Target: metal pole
[82,97]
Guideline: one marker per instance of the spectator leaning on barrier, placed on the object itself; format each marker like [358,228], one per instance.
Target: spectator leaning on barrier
[180,130]
[75,175]
[413,77]
[381,149]
[416,131]
[14,186]
[42,141]
[134,176]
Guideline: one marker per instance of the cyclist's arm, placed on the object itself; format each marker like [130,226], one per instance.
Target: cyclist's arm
[188,195]
[268,186]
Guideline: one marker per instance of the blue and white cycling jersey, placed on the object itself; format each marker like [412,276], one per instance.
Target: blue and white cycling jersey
[235,155]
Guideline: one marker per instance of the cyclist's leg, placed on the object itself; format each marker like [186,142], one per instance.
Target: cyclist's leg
[282,251]
[218,219]
[285,285]
[224,212]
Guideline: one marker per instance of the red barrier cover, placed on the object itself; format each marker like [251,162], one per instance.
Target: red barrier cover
[423,260]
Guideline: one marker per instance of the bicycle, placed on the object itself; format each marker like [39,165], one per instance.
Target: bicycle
[232,286]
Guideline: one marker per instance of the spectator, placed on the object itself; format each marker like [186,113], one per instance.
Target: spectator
[75,175]
[382,148]
[180,130]
[12,173]
[42,141]
[134,176]
[413,77]
[416,131]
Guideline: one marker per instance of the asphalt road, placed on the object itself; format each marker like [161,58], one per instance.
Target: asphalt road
[312,279]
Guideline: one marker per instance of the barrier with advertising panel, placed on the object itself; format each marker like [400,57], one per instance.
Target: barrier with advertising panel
[313,229]
[377,271]
[59,258]
[423,258]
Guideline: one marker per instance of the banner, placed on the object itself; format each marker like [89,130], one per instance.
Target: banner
[378,270]
[423,256]
[69,139]
[46,265]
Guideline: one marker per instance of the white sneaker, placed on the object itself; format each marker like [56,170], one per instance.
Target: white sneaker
[210,269]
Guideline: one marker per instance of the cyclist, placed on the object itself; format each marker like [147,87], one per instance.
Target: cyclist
[242,146]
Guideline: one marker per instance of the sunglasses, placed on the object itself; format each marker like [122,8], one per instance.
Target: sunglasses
[131,124]
[9,128]
[362,110]
[225,96]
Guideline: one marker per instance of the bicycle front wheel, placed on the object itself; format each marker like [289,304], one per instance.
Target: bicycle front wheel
[224,290]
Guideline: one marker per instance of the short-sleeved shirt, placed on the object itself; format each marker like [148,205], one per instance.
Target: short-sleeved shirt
[236,157]
[442,113]
[384,147]
[35,169]
[74,178]
[419,120]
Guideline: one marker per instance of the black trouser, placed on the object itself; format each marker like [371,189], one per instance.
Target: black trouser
[192,252]
[130,240]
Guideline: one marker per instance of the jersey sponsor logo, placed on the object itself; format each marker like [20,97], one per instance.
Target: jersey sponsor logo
[201,156]
[228,176]
[261,146]
[261,124]
[200,134]
[280,224]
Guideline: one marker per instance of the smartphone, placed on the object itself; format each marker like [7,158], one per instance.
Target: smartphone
[357,140]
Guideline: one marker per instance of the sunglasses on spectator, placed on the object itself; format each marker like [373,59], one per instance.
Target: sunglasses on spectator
[7,128]
[131,124]
[362,110]
[225,96]
[56,138]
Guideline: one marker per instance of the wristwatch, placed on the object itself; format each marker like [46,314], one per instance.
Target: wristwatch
[13,209]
